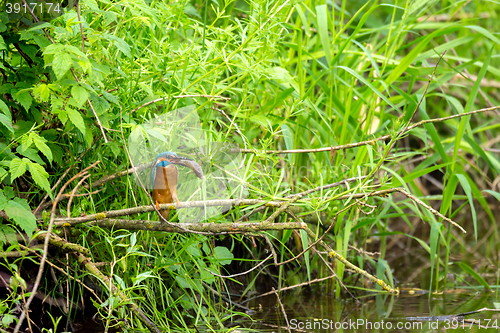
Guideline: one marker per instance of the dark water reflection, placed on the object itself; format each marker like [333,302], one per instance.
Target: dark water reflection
[376,313]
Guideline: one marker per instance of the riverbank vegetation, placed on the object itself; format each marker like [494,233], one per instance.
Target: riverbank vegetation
[355,131]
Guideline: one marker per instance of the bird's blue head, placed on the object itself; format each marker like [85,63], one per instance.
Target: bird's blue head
[167,158]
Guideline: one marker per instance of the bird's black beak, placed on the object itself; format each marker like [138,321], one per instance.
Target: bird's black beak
[187,163]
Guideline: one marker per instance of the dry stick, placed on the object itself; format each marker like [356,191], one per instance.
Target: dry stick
[429,208]
[204,228]
[179,96]
[81,26]
[228,300]
[239,132]
[282,208]
[119,174]
[92,108]
[238,274]
[319,188]
[149,208]
[358,270]
[341,147]
[320,238]
[290,287]
[37,20]
[331,253]
[283,310]
[336,277]
[46,246]
[64,175]
[324,187]
[90,267]
[368,142]
[73,194]
[64,221]
[271,248]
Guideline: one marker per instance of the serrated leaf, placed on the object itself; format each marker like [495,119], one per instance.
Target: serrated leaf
[111,98]
[53,48]
[80,94]
[21,216]
[62,115]
[26,141]
[24,98]
[41,41]
[42,92]
[76,118]
[7,234]
[61,64]
[17,168]
[40,143]
[40,176]
[30,153]
[9,192]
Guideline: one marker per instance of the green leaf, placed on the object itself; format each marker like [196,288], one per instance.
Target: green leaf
[468,107]
[39,175]
[80,94]
[76,118]
[18,210]
[4,120]
[288,136]
[223,255]
[17,168]
[467,189]
[24,98]
[40,143]
[61,64]
[3,46]
[493,193]
[53,49]
[322,17]
[30,153]
[3,174]
[42,92]
[474,274]
[7,234]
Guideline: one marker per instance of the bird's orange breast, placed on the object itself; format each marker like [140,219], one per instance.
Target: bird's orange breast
[165,183]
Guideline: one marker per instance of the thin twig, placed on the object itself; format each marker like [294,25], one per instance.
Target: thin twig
[73,194]
[46,246]
[290,287]
[282,310]
[81,26]
[238,274]
[429,208]
[367,142]
[42,203]
[179,96]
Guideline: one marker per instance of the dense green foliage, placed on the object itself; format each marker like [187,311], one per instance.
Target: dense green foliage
[299,75]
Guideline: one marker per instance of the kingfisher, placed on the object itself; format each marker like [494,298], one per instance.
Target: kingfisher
[165,176]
